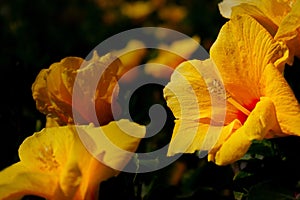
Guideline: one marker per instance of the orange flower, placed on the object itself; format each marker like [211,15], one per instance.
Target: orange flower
[259,102]
[54,164]
[53,89]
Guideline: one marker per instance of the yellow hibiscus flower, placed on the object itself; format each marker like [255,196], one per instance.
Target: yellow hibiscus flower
[53,89]
[280,18]
[259,102]
[54,163]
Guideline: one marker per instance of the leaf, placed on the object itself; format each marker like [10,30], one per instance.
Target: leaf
[270,190]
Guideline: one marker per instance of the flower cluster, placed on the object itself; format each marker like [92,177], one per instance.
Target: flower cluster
[250,54]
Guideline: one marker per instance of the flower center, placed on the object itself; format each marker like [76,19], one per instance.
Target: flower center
[216,89]
[47,159]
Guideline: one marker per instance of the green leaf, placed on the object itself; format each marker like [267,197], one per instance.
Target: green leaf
[270,190]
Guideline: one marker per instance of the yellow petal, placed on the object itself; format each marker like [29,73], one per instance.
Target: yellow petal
[272,9]
[226,132]
[59,87]
[52,92]
[259,123]
[18,180]
[100,72]
[280,18]
[226,6]
[47,150]
[289,29]
[184,143]
[190,92]
[186,137]
[287,107]
[193,87]
[241,52]
[55,164]
[183,92]
[258,15]
[39,92]
[53,89]
[114,143]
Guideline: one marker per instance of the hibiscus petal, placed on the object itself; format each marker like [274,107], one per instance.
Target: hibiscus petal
[274,10]
[194,87]
[280,18]
[241,52]
[196,97]
[197,142]
[287,107]
[259,123]
[39,92]
[226,6]
[289,29]
[258,15]
[18,180]
[55,164]
[186,91]
[113,144]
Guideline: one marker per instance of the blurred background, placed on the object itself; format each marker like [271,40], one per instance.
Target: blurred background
[38,33]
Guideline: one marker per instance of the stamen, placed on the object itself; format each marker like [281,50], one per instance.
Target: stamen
[238,105]
[216,88]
